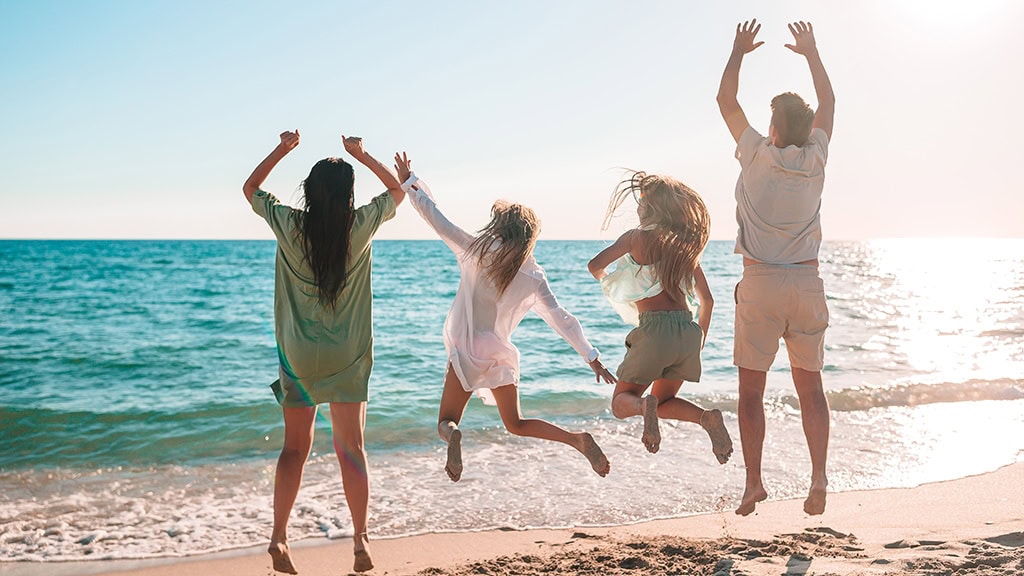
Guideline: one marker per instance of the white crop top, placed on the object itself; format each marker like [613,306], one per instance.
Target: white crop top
[626,284]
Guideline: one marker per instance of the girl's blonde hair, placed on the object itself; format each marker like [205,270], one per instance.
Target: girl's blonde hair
[676,224]
[505,243]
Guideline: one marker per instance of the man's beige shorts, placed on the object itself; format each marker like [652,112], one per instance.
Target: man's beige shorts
[775,302]
[666,346]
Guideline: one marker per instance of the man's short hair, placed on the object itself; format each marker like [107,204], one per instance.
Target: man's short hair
[792,119]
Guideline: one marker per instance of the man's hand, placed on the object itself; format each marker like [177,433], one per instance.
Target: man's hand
[353,145]
[289,140]
[803,38]
[745,34]
[403,166]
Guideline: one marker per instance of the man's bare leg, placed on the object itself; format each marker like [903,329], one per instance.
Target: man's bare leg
[507,398]
[751,416]
[674,408]
[453,404]
[298,441]
[814,412]
[627,401]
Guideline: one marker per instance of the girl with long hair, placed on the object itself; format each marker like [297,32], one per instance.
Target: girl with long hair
[657,271]
[500,281]
[322,321]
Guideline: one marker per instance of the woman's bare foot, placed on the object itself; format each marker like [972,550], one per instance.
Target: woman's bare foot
[281,558]
[594,454]
[454,465]
[712,423]
[362,562]
[751,496]
[652,435]
[815,502]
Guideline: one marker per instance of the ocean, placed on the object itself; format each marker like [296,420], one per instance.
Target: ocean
[137,422]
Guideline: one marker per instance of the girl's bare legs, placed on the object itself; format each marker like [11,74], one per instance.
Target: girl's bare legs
[298,441]
[453,404]
[348,420]
[628,400]
[673,408]
[507,398]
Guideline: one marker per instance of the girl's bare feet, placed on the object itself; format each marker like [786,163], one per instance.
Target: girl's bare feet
[281,558]
[454,465]
[594,454]
[652,435]
[712,423]
[362,562]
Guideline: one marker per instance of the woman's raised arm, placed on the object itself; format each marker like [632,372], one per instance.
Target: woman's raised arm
[354,146]
[289,140]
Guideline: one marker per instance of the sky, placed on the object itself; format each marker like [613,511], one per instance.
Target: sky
[143,119]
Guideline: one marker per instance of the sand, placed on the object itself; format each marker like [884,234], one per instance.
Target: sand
[969,526]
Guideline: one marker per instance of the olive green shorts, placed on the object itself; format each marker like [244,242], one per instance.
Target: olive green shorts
[666,346]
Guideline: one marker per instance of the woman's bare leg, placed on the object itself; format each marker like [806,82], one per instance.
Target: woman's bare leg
[507,398]
[348,420]
[453,405]
[298,441]
[674,408]
[628,400]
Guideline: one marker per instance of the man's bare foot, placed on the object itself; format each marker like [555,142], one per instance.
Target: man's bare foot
[362,562]
[281,558]
[750,499]
[815,502]
[454,465]
[652,435]
[712,423]
[595,455]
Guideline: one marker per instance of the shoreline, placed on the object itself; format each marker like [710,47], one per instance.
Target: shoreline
[932,528]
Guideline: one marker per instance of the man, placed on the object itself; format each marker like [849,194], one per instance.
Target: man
[778,201]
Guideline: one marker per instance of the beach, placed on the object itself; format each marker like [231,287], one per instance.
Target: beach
[973,525]
[141,431]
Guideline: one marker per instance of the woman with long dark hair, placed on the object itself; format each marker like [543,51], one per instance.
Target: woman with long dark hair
[322,321]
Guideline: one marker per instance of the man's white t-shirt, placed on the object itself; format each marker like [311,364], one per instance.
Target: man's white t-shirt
[778,198]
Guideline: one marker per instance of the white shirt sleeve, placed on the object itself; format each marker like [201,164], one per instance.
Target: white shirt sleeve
[747,146]
[564,323]
[423,201]
[819,139]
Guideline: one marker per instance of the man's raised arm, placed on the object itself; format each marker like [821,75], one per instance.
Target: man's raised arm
[804,44]
[728,89]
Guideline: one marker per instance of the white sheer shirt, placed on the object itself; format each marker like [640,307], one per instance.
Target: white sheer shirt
[478,330]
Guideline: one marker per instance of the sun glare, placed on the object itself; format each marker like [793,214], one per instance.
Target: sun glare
[946,15]
[947,293]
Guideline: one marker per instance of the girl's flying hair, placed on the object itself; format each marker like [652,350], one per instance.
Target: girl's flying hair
[504,244]
[675,224]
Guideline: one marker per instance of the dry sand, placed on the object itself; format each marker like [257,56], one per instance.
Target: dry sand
[970,526]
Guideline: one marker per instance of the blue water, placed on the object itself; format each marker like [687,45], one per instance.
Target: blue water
[138,422]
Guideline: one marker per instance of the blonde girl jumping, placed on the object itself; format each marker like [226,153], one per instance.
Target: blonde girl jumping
[657,269]
[500,281]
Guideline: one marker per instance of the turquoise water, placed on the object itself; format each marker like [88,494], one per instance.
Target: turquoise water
[137,419]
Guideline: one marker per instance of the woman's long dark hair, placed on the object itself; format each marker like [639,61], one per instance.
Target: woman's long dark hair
[326,225]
